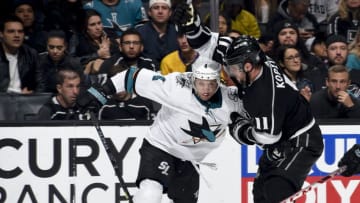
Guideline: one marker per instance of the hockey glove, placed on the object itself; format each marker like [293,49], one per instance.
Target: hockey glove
[241,128]
[95,97]
[183,14]
[351,160]
[277,152]
[185,18]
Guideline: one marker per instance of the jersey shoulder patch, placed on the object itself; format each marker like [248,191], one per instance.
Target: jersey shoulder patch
[184,80]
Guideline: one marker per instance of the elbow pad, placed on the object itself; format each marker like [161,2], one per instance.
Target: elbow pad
[241,129]
[243,135]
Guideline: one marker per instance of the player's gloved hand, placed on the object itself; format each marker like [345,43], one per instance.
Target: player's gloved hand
[146,63]
[241,128]
[182,14]
[91,99]
[351,160]
[95,97]
[277,151]
[185,18]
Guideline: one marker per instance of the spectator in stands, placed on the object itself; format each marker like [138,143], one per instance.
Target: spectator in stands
[289,59]
[266,43]
[55,58]
[287,33]
[346,21]
[63,105]
[335,101]
[94,45]
[181,59]
[124,106]
[297,12]
[130,55]
[19,63]
[264,9]
[317,46]
[55,18]
[323,10]
[353,58]
[337,50]
[35,36]
[118,15]
[241,19]
[159,34]
[224,24]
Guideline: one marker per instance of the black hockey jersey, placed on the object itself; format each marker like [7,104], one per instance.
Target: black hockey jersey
[279,111]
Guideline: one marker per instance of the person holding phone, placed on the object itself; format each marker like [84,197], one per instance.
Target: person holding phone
[335,101]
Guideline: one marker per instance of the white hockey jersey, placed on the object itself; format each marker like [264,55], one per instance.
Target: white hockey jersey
[185,127]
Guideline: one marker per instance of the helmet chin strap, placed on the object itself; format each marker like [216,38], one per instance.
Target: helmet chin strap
[241,86]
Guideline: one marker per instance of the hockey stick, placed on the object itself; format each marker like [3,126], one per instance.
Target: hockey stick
[111,156]
[303,191]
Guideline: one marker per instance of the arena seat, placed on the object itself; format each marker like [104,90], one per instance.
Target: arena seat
[20,107]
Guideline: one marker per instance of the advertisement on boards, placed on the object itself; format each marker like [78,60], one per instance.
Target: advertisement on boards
[337,140]
[70,165]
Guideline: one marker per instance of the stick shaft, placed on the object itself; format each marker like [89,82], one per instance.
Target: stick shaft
[111,156]
[303,191]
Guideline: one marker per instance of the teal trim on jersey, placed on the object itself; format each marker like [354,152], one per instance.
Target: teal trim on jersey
[214,102]
[130,80]
[209,135]
[97,95]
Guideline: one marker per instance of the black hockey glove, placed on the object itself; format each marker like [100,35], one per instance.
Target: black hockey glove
[185,18]
[182,14]
[278,151]
[241,128]
[146,63]
[95,97]
[351,160]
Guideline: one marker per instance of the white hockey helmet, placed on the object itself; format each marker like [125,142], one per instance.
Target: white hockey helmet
[206,69]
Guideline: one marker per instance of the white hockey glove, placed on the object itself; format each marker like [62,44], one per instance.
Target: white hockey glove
[241,128]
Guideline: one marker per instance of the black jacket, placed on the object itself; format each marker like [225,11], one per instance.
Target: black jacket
[49,69]
[323,106]
[29,71]
[52,110]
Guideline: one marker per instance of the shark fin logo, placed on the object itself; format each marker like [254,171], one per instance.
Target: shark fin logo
[201,131]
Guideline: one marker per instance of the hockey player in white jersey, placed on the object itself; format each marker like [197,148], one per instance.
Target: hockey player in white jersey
[191,123]
[283,123]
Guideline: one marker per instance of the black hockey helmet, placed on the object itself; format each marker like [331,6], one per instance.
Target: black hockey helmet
[243,49]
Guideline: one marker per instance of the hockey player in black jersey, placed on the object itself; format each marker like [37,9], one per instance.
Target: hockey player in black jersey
[281,120]
[283,124]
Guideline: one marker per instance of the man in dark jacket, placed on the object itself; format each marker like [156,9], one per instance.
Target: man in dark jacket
[297,12]
[335,101]
[19,66]
[62,106]
[56,58]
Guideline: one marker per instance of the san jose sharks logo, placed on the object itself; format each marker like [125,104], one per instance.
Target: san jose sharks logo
[116,27]
[202,131]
